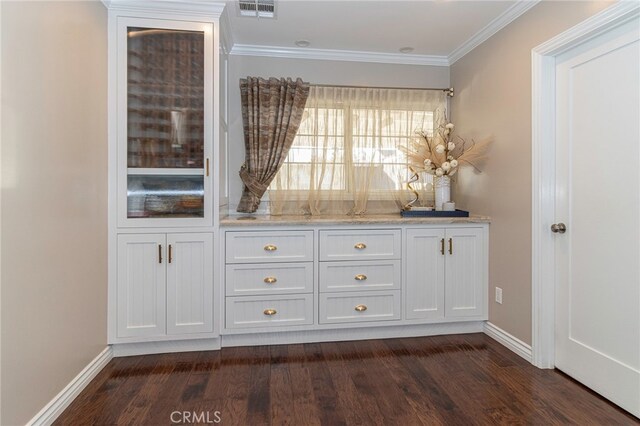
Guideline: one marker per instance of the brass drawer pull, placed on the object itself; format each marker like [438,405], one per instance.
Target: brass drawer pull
[270,247]
[442,246]
[170,254]
[360,277]
[159,253]
[361,308]
[450,245]
[360,246]
[270,280]
[270,312]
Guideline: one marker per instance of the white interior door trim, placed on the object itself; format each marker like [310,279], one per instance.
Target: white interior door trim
[543,143]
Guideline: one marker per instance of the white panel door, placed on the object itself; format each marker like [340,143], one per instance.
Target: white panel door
[189,283]
[465,290]
[141,285]
[424,284]
[598,200]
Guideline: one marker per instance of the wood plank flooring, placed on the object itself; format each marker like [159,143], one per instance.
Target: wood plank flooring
[450,380]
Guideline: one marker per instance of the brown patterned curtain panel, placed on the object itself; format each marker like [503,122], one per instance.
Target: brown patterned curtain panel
[271,114]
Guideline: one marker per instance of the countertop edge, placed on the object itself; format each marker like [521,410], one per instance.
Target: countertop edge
[266,220]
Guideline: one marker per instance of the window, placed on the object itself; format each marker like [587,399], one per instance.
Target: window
[348,150]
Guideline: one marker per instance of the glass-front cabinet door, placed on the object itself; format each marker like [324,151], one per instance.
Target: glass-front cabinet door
[165,79]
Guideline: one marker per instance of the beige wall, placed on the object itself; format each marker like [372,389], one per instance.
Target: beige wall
[313,71]
[493,98]
[54,198]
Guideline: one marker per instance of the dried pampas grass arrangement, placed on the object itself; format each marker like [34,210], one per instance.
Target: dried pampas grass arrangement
[444,153]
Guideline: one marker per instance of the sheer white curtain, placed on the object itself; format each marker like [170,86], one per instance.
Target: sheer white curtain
[346,157]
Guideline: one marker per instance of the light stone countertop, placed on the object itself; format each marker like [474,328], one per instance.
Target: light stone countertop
[381,219]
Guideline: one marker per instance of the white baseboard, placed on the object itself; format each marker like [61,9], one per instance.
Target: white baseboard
[165,347]
[60,402]
[506,339]
[337,335]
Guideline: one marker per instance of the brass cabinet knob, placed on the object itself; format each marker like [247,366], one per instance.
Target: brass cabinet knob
[360,277]
[270,280]
[558,228]
[361,308]
[360,246]
[270,247]
[270,312]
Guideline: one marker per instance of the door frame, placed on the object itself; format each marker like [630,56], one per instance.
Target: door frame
[543,142]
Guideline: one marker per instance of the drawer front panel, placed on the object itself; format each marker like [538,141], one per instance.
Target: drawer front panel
[359,276]
[360,245]
[269,278]
[260,247]
[359,307]
[269,311]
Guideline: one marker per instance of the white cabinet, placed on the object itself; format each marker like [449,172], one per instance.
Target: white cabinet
[165,162]
[265,246]
[446,273]
[269,311]
[165,119]
[356,266]
[464,273]
[354,277]
[424,292]
[165,284]
[141,285]
[360,244]
[359,307]
[189,283]
[269,279]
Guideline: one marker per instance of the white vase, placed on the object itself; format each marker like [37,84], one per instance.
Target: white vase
[442,186]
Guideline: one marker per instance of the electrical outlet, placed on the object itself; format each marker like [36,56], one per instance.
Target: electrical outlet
[499,295]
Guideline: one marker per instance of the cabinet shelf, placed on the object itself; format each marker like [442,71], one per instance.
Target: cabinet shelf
[165,171]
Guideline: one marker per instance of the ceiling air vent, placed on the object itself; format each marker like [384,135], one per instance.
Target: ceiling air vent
[257,8]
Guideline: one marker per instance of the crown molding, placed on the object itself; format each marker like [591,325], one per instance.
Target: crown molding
[508,16]
[338,55]
[207,8]
[617,14]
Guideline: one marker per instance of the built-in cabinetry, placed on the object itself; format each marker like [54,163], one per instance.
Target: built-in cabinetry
[164,284]
[359,275]
[180,278]
[269,279]
[320,276]
[445,272]
[164,170]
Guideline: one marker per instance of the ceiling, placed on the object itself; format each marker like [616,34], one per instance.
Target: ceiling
[431,27]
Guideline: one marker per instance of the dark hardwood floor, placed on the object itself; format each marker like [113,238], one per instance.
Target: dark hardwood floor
[453,380]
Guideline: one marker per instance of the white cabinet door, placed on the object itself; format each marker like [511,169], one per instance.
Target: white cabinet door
[141,290]
[465,272]
[424,290]
[189,283]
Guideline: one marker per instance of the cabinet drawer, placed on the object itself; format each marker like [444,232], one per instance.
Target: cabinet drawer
[360,245]
[359,307]
[269,278]
[256,247]
[254,312]
[358,276]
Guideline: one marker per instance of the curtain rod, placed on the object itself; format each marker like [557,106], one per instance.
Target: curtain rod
[449,90]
